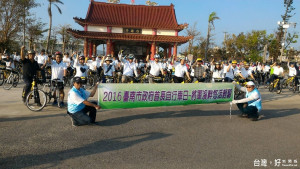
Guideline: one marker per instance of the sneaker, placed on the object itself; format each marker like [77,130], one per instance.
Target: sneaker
[243,115]
[54,103]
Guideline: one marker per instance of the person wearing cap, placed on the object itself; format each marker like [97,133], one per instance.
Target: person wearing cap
[82,112]
[81,67]
[129,68]
[8,61]
[218,72]
[69,63]
[108,68]
[278,73]
[58,72]
[199,71]
[30,68]
[231,71]
[246,71]
[42,61]
[156,67]
[180,70]
[93,65]
[251,105]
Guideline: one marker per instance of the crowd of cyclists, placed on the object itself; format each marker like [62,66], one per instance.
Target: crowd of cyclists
[128,69]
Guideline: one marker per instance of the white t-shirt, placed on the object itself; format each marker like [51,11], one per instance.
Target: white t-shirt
[292,71]
[245,73]
[129,68]
[258,68]
[266,68]
[81,70]
[218,73]
[110,72]
[58,70]
[180,69]
[92,65]
[67,61]
[41,59]
[277,70]
[17,58]
[155,68]
[232,71]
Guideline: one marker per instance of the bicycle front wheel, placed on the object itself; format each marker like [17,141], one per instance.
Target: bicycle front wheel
[16,80]
[8,83]
[1,78]
[36,100]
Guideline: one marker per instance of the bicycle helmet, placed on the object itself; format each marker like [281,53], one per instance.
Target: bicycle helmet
[234,62]
[199,60]
[80,57]
[130,56]
[58,53]
[217,63]
[156,56]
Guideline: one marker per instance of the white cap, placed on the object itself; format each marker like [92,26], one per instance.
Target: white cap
[250,83]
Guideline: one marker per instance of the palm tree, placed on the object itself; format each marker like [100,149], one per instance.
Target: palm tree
[50,18]
[212,17]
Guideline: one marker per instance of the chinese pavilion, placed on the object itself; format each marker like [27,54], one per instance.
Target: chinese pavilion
[136,29]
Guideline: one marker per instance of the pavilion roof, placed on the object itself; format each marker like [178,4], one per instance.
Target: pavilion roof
[132,16]
[129,37]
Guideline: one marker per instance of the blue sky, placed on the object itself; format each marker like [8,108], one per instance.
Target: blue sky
[236,15]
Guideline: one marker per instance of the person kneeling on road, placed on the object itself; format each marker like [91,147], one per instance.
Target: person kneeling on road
[251,105]
[78,106]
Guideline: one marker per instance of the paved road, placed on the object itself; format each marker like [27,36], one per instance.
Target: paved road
[197,136]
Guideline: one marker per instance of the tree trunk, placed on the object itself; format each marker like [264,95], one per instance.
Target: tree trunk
[50,26]
[207,41]
[24,29]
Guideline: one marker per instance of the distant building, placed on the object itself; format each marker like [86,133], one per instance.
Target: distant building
[136,29]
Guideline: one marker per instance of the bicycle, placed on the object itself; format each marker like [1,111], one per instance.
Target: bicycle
[290,83]
[2,69]
[12,80]
[36,99]
[274,85]
[51,90]
[297,88]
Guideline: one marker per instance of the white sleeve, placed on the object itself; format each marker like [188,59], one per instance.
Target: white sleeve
[253,96]
[77,99]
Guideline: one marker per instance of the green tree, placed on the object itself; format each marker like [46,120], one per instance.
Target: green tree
[65,37]
[211,19]
[52,2]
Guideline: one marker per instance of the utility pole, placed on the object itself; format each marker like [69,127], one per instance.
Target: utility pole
[285,26]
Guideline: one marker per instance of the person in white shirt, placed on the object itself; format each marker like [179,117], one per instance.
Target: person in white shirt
[69,63]
[277,74]
[246,71]
[8,61]
[93,65]
[292,69]
[108,68]
[180,70]
[156,67]
[81,68]
[42,61]
[231,71]
[59,71]
[129,68]
[218,73]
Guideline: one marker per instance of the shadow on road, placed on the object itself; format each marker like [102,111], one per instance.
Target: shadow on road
[265,114]
[54,158]
[31,117]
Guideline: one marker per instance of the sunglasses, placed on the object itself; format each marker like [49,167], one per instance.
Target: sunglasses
[248,87]
[81,59]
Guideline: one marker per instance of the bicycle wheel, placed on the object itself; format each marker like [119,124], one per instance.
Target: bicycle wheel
[271,87]
[1,78]
[9,82]
[284,84]
[91,80]
[36,100]
[16,80]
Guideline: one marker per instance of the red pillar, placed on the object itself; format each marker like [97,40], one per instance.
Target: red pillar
[175,51]
[108,47]
[94,49]
[91,49]
[153,50]
[86,47]
[170,52]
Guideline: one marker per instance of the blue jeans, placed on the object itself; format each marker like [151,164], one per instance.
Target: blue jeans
[81,117]
[251,111]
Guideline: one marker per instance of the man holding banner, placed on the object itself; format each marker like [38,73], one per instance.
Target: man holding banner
[251,105]
[78,106]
